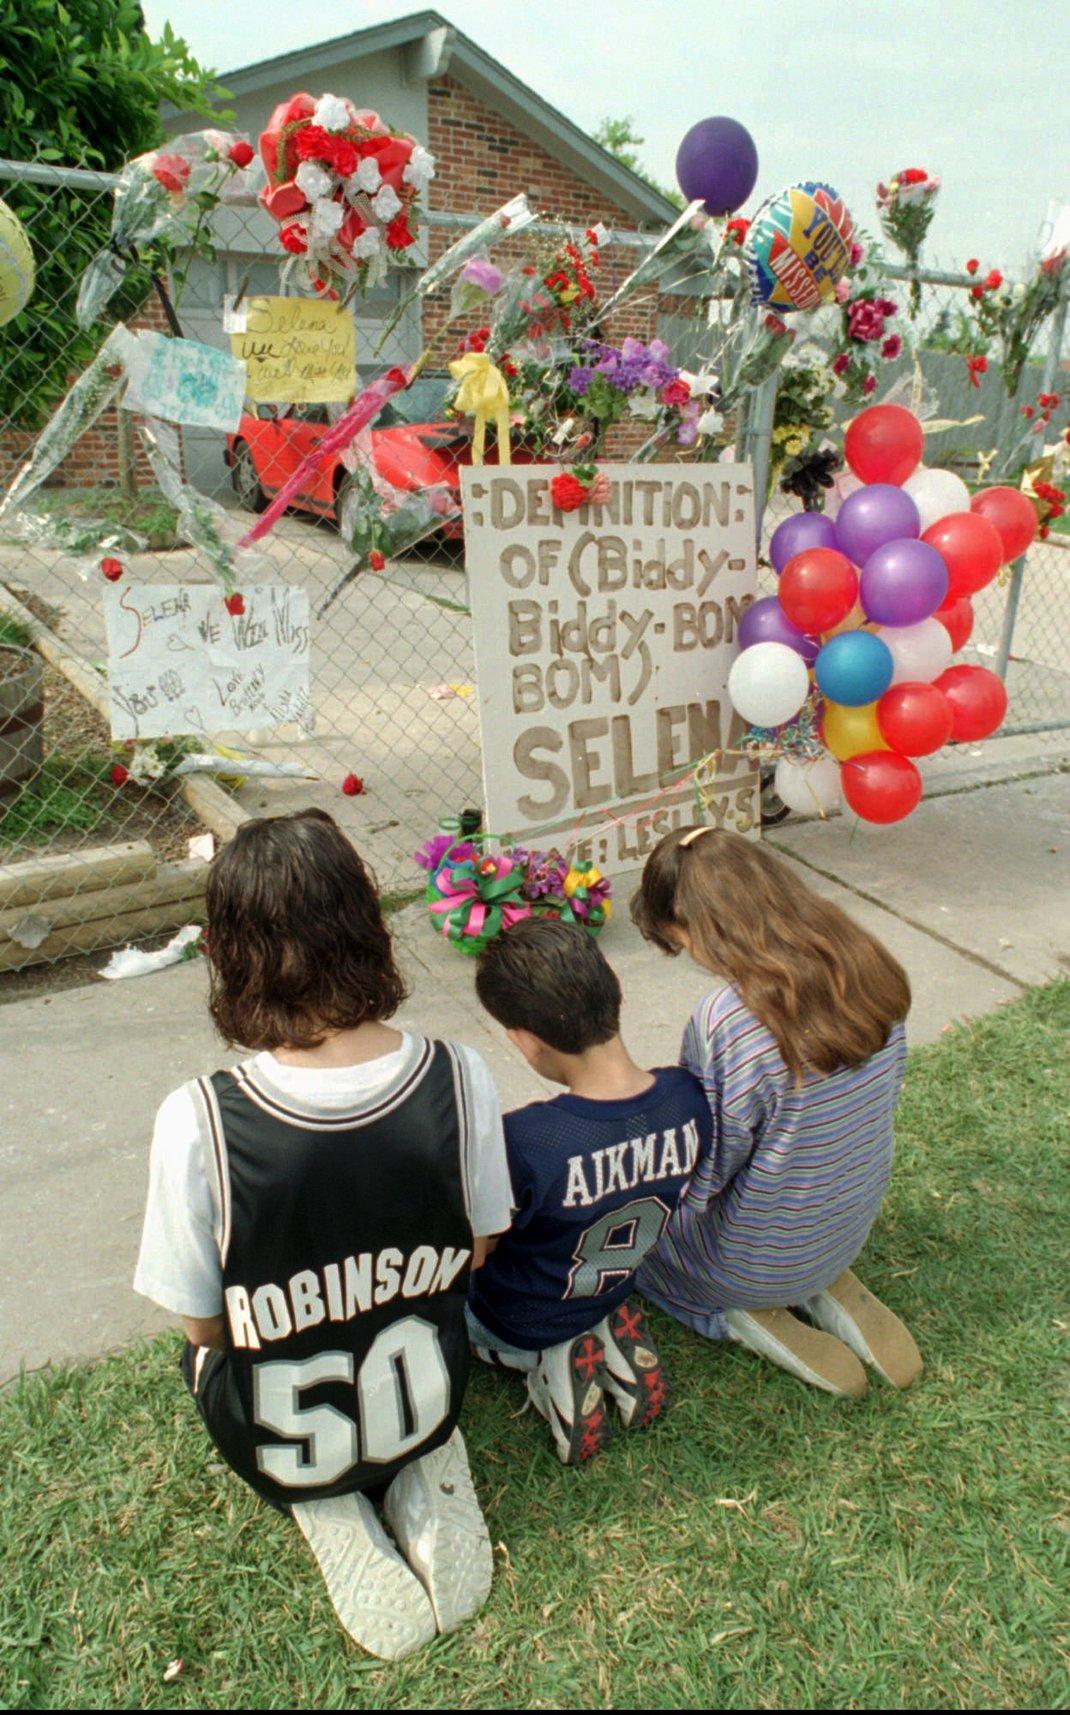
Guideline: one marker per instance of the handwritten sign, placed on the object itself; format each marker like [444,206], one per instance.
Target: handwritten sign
[178,662]
[184,381]
[603,642]
[297,351]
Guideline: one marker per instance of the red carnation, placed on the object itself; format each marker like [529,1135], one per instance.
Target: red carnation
[869,385]
[352,786]
[241,153]
[737,229]
[841,364]
[235,604]
[376,560]
[972,265]
[913,176]
[977,291]
[773,324]
[112,569]
[993,280]
[892,346]
[398,236]
[1028,411]
[294,238]
[342,156]
[172,172]
[568,492]
[312,143]
[675,393]
[119,774]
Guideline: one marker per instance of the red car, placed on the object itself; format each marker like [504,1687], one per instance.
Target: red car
[413,444]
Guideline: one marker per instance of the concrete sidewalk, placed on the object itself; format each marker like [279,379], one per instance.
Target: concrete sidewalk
[972,894]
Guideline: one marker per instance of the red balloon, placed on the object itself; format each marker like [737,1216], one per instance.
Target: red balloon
[914,718]
[956,617]
[880,786]
[1011,514]
[978,701]
[818,588]
[884,444]
[970,548]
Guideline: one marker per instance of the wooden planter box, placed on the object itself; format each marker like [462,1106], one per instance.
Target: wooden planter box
[21,712]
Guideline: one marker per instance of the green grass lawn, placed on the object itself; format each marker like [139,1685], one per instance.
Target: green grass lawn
[765,1546]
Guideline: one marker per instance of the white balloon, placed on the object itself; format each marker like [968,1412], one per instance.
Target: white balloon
[845,482]
[920,652]
[810,788]
[768,683]
[936,493]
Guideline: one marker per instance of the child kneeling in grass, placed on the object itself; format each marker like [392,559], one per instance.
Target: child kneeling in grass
[313,1216]
[802,1056]
[595,1173]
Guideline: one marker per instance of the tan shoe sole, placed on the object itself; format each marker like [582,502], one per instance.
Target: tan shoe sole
[378,1599]
[869,1328]
[805,1352]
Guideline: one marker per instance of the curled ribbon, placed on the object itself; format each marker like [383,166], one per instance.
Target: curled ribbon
[484,395]
[587,891]
[476,900]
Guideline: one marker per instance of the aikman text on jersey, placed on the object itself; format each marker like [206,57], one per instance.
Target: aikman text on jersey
[339,1291]
[639,1161]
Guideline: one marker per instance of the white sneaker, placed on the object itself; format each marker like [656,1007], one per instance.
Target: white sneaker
[565,1387]
[432,1509]
[379,1600]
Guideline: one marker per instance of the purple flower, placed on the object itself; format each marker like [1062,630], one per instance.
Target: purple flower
[579,379]
[481,273]
[544,873]
[432,852]
[687,433]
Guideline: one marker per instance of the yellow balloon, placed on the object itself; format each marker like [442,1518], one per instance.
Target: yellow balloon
[16,265]
[849,732]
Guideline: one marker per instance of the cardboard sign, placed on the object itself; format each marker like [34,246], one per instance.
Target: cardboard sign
[297,351]
[184,382]
[603,642]
[178,662]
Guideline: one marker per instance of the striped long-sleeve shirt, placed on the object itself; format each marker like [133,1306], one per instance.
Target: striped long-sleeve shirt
[783,1203]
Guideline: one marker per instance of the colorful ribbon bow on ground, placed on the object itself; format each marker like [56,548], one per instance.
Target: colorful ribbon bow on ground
[477,899]
[484,395]
[587,892]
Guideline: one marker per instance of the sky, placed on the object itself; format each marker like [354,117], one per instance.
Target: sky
[848,91]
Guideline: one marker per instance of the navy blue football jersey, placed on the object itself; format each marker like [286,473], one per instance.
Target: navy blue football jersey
[594,1184]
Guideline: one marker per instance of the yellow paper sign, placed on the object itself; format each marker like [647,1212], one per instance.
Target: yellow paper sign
[298,351]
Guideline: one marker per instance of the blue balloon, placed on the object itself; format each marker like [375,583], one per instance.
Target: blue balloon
[854,668]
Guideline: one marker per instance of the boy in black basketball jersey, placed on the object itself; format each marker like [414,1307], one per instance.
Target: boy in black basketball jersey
[595,1175]
[313,1218]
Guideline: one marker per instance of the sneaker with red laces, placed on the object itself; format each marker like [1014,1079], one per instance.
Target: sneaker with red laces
[635,1376]
[566,1387]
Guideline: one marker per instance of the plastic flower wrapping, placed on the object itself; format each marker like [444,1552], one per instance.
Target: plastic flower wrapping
[906,205]
[166,195]
[473,895]
[343,187]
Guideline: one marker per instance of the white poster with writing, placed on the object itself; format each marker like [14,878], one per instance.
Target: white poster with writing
[603,642]
[179,662]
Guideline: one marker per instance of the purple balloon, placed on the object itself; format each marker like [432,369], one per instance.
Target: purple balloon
[873,515]
[902,583]
[718,162]
[802,530]
[766,622]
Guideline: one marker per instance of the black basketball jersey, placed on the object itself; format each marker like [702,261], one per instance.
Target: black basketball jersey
[346,1247]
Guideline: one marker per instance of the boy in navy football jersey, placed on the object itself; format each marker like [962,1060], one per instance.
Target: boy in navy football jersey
[595,1174]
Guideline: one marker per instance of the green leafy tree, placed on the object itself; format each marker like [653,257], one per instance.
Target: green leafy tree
[80,84]
[621,140]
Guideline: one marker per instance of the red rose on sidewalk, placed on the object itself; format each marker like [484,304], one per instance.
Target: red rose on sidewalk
[353,786]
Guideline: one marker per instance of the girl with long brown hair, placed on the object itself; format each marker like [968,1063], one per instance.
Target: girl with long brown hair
[802,1056]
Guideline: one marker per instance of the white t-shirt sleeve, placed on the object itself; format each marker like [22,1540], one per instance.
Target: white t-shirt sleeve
[490,1193]
[178,1265]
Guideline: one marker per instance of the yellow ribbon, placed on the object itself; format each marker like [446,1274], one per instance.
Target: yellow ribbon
[484,395]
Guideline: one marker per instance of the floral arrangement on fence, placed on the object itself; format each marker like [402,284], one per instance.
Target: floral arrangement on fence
[343,187]
[474,895]
[801,458]
[906,205]
[865,342]
[1008,316]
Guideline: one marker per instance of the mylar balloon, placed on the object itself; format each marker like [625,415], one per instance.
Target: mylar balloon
[817,589]
[718,162]
[810,788]
[768,684]
[875,514]
[765,622]
[16,265]
[970,547]
[801,530]
[915,719]
[978,701]
[956,617]
[919,651]
[902,583]
[854,669]
[1008,510]
[935,493]
[798,246]
[881,786]
[884,444]
[849,732]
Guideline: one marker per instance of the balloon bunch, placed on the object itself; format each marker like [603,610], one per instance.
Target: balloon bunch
[873,604]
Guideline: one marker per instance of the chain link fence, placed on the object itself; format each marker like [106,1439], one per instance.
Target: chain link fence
[92,857]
